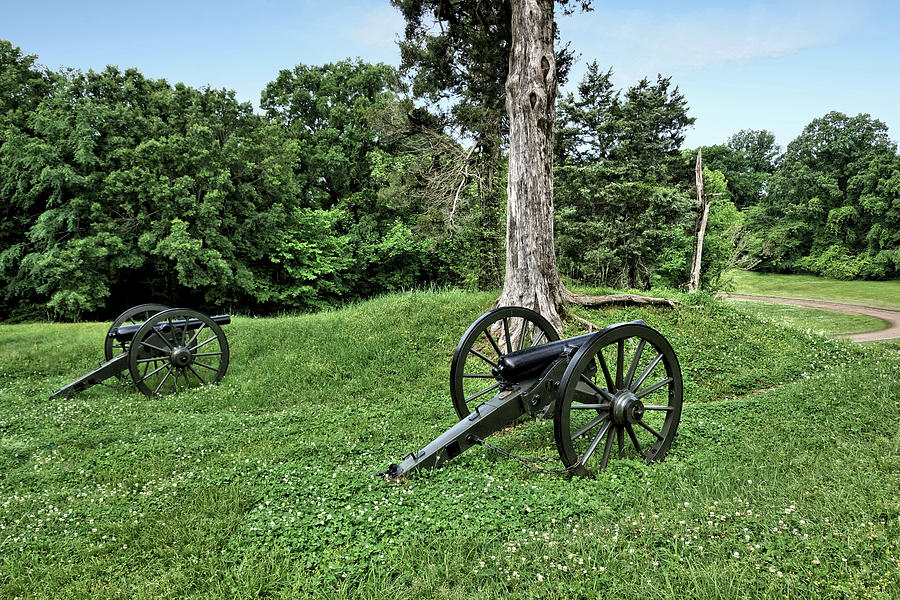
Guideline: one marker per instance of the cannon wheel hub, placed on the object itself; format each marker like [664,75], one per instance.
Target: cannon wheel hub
[181,357]
[626,408]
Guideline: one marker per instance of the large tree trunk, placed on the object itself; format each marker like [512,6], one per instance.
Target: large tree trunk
[531,279]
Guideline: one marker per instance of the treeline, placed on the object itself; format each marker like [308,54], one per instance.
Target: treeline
[626,203]
[117,189]
[829,205]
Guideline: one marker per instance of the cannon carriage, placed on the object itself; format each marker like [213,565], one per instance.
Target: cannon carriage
[163,350]
[618,388]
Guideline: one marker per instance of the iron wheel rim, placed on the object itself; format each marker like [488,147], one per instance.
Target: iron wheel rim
[135,315]
[166,358]
[479,350]
[642,392]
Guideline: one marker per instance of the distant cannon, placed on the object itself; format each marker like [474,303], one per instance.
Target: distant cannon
[623,381]
[163,349]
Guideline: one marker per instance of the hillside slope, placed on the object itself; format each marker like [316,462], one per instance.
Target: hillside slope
[783,478]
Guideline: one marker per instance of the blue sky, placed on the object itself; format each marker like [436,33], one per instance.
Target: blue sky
[761,65]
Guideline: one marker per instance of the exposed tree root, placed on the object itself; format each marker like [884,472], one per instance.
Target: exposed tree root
[616,299]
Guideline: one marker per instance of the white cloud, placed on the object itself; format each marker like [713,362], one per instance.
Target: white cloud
[378,28]
[707,37]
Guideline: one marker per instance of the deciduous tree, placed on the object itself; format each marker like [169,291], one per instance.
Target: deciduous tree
[830,207]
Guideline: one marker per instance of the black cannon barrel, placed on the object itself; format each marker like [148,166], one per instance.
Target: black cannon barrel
[529,362]
[125,333]
[521,364]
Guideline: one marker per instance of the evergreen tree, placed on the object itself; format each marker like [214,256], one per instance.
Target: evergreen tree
[622,218]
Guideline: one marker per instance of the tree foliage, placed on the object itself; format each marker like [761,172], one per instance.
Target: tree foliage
[457,55]
[748,160]
[623,214]
[349,120]
[117,188]
[120,188]
[134,181]
[833,206]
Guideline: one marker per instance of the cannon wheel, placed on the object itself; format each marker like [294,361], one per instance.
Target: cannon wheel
[625,386]
[133,316]
[166,357]
[490,337]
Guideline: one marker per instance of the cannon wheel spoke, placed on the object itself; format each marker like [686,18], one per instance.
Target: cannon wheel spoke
[610,385]
[523,333]
[481,393]
[620,363]
[157,348]
[589,426]
[490,337]
[196,333]
[196,374]
[163,380]
[640,354]
[605,460]
[133,316]
[634,440]
[593,445]
[620,435]
[184,332]
[634,363]
[154,372]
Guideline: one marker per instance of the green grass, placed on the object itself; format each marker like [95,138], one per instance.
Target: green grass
[826,322]
[879,294]
[263,487]
[888,344]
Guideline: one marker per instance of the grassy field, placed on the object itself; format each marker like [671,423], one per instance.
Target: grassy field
[879,294]
[826,322]
[784,479]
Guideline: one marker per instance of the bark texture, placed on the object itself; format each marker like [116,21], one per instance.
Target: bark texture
[618,299]
[531,279]
[700,230]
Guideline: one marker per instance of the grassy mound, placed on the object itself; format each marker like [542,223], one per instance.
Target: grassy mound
[880,294]
[826,322]
[783,479]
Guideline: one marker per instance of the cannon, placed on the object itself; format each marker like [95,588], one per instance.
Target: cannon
[620,386]
[163,349]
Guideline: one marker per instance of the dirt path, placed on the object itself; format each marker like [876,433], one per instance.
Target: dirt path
[891,317]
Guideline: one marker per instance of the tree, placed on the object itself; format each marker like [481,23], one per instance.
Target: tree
[351,125]
[481,45]
[711,186]
[326,109]
[831,192]
[694,281]
[624,214]
[136,188]
[748,160]
[24,85]
[460,70]
[531,279]
[586,129]
[651,123]
[759,149]
[424,172]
